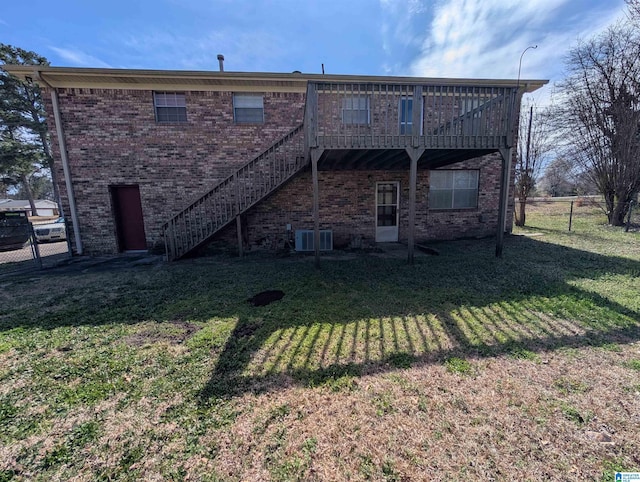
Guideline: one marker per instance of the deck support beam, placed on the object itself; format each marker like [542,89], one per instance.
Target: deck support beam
[414,154]
[315,157]
[239,229]
[504,198]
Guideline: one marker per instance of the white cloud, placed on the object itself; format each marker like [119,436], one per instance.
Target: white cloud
[78,58]
[485,38]
[400,30]
[472,38]
[397,24]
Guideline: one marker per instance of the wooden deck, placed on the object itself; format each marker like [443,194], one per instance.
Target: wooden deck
[398,125]
[400,116]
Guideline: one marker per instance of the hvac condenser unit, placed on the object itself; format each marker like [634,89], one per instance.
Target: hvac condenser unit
[305,238]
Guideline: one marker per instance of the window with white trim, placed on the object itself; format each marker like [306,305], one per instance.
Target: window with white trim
[355,110]
[453,189]
[405,116]
[170,107]
[248,108]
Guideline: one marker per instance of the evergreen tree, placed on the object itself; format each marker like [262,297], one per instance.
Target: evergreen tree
[23,130]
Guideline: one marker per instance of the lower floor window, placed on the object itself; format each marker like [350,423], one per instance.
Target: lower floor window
[453,189]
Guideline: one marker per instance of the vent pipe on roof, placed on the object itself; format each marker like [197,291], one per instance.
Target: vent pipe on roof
[221,62]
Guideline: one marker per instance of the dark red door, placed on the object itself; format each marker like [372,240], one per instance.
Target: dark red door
[127,210]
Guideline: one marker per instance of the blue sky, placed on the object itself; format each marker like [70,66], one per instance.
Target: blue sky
[438,38]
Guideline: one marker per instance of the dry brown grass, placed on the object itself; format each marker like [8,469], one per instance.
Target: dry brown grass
[509,421]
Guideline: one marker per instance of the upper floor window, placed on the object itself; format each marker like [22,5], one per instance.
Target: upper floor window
[453,189]
[355,110]
[405,115]
[248,108]
[170,107]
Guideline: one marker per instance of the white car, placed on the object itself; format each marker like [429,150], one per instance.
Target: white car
[55,231]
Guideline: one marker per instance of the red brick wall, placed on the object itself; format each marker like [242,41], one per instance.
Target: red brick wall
[347,206]
[113,139]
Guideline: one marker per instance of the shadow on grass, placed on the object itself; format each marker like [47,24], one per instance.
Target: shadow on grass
[461,304]
[361,316]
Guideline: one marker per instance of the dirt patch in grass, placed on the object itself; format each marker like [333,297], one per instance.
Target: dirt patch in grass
[173,332]
[266,297]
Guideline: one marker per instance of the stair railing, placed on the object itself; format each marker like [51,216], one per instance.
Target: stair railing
[197,223]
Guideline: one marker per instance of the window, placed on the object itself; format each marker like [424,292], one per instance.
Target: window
[355,110]
[453,189]
[170,107]
[248,109]
[405,115]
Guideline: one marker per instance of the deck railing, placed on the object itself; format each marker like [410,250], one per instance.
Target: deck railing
[396,116]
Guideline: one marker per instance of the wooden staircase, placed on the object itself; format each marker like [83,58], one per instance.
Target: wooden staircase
[195,225]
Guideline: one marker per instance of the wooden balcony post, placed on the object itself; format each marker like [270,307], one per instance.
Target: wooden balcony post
[239,229]
[166,245]
[513,114]
[236,185]
[170,241]
[414,154]
[238,212]
[504,198]
[315,157]
[311,116]
[416,116]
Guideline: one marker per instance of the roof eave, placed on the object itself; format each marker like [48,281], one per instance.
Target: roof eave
[69,77]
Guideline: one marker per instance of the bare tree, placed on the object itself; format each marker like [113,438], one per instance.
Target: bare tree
[600,113]
[634,10]
[557,179]
[532,146]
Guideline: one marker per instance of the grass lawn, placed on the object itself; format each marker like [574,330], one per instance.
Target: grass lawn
[462,366]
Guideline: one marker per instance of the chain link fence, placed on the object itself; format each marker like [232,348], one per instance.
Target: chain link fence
[20,251]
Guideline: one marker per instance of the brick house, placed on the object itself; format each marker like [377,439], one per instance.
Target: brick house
[171,160]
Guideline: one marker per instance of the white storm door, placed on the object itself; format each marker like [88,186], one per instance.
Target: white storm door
[387,211]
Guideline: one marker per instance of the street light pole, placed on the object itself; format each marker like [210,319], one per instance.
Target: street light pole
[520,64]
[506,154]
[527,158]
